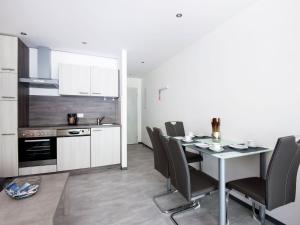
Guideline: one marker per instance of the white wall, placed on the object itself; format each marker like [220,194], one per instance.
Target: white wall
[137,83]
[246,72]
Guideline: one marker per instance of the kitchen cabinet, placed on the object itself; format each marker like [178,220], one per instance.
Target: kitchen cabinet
[8,155]
[74,80]
[88,81]
[73,153]
[8,117]
[8,54]
[8,86]
[105,146]
[104,82]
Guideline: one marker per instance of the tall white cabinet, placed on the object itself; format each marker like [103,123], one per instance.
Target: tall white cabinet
[105,146]
[8,106]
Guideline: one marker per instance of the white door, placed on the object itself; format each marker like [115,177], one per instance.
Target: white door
[132,113]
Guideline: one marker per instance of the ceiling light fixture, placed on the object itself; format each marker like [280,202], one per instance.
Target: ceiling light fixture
[84,42]
[142,62]
[179,15]
[23,33]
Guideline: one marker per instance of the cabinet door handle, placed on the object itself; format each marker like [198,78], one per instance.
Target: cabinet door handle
[8,97]
[7,69]
[97,130]
[96,93]
[8,134]
[83,93]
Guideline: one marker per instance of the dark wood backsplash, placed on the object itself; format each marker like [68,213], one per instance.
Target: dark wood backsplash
[53,110]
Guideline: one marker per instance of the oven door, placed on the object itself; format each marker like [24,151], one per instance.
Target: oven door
[37,151]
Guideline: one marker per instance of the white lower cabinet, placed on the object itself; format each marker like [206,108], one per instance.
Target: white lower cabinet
[105,146]
[8,155]
[73,153]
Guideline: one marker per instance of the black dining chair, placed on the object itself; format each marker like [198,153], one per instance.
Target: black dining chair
[176,128]
[192,184]
[161,164]
[160,158]
[279,187]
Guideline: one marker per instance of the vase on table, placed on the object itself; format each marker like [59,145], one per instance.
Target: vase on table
[216,134]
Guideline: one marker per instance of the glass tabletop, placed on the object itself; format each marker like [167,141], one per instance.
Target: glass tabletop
[227,152]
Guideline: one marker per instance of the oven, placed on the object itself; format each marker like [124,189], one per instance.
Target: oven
[37,150]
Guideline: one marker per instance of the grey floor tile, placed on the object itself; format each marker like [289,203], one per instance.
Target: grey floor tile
[115,197]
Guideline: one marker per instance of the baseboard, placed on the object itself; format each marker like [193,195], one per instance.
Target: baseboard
[270,218]
[142,143]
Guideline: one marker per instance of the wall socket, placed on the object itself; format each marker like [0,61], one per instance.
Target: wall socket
[80,115]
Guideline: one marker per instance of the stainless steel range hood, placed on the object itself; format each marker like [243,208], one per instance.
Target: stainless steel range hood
[44,71]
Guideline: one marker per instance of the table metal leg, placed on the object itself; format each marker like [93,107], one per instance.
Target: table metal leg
[222,193]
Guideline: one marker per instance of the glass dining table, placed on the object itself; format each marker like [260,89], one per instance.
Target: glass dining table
[227,153]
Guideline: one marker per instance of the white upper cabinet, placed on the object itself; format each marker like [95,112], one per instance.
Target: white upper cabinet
[74,80]
[89,81]
[8,54]
[104,82]
[8,86]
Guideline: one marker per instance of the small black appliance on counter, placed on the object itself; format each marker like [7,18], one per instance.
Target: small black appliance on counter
[72,118]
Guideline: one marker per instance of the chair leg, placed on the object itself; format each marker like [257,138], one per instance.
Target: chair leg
[262,215]
[168,192]
[261,218]
[227,205]
[191,206]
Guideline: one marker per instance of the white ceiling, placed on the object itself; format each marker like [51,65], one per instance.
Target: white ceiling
[148,29]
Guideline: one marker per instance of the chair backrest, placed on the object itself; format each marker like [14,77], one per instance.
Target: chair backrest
[180,174]
[155,153]
[165,142]
[160,158]
[282,173]
[175,128]
[163,162]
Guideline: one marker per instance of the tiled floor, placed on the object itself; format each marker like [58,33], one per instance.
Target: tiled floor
[115,197]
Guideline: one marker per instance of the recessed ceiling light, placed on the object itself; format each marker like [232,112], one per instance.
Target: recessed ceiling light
[179,15]
[23,33]
[142,62]
[84,42]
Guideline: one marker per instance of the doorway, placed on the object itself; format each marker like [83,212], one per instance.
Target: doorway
[132,115]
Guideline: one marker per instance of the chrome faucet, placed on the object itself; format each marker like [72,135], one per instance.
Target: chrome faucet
[100,119]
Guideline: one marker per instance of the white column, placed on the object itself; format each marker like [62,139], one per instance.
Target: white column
[123,94]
